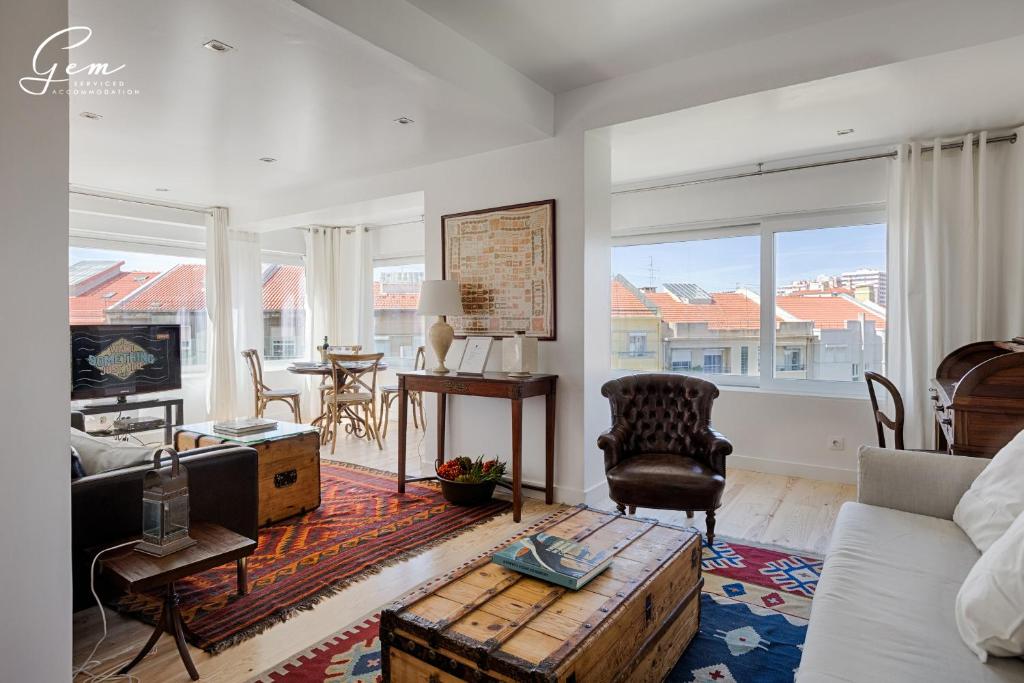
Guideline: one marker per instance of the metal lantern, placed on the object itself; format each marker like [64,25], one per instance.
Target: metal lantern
[165,512]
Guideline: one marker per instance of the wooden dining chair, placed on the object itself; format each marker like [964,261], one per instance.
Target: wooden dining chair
[389,394]
[325,381]
[895,423]
[263,393]
[352,397]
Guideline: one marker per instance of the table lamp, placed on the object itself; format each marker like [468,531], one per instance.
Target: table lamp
[440,298]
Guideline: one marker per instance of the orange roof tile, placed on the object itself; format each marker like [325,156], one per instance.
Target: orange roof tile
[727,311]
[625,303]
[827,312]
[285,289]
[182,288]
[394,301]
[88,308]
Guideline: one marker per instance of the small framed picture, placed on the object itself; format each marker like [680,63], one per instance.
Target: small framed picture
[474,358]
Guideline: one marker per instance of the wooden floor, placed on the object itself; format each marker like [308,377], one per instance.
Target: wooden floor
[767,509]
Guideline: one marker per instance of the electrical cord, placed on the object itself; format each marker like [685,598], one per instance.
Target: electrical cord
[86,668]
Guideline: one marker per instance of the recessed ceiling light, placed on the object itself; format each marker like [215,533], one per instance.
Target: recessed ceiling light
[404,121]
[91,115]
[268,160]
[162,189]
[844,131]
[217,46]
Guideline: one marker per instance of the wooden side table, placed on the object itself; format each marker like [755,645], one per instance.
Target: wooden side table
[488,385]
[136,572]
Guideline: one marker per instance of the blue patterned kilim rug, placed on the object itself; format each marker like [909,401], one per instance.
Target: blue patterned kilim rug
[754,612]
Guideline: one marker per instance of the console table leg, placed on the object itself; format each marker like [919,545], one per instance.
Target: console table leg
[442,419]
[403,424]
[549,447]
[517,459]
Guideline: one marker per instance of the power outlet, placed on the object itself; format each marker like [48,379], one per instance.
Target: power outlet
[837,443]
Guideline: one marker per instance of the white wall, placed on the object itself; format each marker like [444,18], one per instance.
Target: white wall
[736,201]
[773,432]
[35,501]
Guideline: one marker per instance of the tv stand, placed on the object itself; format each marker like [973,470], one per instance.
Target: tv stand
[175,405]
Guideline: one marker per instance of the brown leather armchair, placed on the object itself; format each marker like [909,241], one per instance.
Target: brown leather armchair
[661,451]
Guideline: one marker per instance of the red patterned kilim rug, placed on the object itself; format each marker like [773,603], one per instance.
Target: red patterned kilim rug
[361,526]
[755,607]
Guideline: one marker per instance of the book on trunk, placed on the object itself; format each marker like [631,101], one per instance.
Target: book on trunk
[553,559]
[244,425]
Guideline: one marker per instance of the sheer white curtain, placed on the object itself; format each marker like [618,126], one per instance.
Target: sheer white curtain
[956,244]
[220,389]
[339,286]
[247,300]
[339,289]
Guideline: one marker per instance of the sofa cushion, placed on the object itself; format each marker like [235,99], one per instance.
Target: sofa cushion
[990,605]
[100,455]
[995,498]
[884,607]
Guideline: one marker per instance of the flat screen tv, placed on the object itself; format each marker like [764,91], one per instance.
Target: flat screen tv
[121,360]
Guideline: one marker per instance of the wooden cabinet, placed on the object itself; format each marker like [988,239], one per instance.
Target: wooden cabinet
[978,397]
[487,623]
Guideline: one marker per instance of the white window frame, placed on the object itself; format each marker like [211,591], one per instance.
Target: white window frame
[770,227]
[681,233]
[767,228]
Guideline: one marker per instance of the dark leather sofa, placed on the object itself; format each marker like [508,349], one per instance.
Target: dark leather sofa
[106,508]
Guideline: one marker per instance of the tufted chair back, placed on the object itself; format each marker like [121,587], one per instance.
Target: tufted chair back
[661,413]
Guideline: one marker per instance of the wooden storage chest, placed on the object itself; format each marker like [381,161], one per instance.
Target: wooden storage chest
[483,622]
[289,470]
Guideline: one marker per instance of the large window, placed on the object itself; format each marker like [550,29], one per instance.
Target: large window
[807,294]
[830,282]
[696,301]
[284,312]
[397,328]
[108,287]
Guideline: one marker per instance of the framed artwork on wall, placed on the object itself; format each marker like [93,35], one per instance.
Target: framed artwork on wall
[504,261]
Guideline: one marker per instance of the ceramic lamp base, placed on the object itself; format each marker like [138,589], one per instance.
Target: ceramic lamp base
[441,336]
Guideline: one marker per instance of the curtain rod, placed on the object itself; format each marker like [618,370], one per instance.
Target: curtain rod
[115,198]
[366,227]
[1011,138]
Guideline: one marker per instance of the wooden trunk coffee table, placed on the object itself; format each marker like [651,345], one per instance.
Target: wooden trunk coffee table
[288,464]
[483,622]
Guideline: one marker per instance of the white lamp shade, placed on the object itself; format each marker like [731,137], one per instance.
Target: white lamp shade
[440,297]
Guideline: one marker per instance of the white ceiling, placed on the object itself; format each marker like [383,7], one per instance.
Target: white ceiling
[566,44]
[950,93]
[297,87]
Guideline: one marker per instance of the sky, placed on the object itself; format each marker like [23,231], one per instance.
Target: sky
[720,265]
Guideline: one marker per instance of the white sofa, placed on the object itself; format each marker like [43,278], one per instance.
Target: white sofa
[883,610]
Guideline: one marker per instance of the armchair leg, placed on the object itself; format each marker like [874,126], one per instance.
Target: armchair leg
[711,527]
[632,509]
[621,508]
[689,514]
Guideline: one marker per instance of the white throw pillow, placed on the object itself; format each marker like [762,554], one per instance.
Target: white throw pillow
[990,604]
[996,497]
[99,455]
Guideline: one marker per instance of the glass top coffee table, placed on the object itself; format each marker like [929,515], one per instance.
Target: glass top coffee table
[283,430]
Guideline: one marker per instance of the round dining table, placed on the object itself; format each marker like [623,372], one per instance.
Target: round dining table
[323,370]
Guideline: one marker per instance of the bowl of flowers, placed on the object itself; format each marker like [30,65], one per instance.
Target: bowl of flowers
[465,481]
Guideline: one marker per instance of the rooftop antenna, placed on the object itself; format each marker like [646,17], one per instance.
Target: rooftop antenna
[650,271]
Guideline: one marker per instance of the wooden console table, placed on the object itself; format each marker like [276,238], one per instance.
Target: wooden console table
[488,385]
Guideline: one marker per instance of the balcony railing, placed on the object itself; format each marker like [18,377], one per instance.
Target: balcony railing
[791,367]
